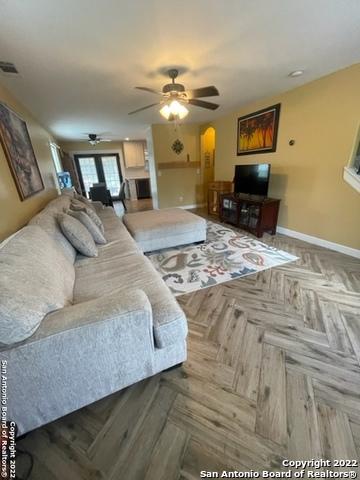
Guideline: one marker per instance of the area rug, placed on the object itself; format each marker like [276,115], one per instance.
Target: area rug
[226,255]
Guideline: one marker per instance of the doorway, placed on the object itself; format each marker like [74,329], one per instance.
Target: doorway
[99,168]
[208,157]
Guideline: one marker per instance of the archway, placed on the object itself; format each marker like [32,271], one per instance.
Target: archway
[207,158]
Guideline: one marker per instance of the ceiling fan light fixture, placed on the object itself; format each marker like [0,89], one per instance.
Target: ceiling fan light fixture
[174,111]
[174,96]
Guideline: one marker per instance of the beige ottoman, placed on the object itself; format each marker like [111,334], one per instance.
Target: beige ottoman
[169,227]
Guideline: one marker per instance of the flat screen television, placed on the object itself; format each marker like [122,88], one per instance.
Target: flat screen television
[252,179]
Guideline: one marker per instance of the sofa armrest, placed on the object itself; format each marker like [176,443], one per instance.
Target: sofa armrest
[79,354]
[115,306]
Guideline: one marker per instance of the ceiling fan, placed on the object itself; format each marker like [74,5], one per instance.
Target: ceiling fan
[94,138]
[175,97]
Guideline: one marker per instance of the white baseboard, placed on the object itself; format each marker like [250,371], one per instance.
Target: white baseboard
[320,242]
[187,207]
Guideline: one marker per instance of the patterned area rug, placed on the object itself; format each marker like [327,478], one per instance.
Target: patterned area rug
[226,255]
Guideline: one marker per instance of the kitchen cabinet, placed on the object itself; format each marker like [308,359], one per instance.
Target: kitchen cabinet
[134,154]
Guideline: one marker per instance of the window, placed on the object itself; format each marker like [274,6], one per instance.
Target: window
[88,172]
[111,174]
[356,162]
[352,171]
[56,157]
[99,168]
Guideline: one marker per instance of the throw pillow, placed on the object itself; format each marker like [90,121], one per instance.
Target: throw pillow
[79,206]
[29,289]
[84,200]
[89,224]
[78,235]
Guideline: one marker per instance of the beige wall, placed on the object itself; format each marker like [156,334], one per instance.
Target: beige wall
[177,186]
[323,117]
[15,213]
[111,147]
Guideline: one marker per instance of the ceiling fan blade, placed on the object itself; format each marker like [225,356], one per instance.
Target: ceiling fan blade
[144,108]
[203,92]
[105,140]
[149,90]
[201,103]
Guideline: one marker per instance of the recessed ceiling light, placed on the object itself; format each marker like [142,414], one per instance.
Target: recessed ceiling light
[296,73]
[127,139]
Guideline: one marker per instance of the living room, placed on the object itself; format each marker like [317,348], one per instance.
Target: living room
[180,239]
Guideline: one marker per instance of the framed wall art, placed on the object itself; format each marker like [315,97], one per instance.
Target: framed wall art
[15,139]
[257,132]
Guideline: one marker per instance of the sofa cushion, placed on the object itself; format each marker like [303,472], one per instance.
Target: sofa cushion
[84,200]
[116,273]
[46,219]
[93,229]
[80,206]
[115,230]
[36,278]
[70,191]
[77,234]
[58,204]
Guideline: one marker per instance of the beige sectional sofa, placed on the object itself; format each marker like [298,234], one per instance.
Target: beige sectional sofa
[109,321]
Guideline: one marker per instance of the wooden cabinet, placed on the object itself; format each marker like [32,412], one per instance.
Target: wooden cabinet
[137,188]
[134,154]
[215,189]
[143,189]
[254,214]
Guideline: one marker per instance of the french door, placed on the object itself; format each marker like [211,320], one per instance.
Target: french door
[99,168]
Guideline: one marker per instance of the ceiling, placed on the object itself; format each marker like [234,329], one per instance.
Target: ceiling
[80,60]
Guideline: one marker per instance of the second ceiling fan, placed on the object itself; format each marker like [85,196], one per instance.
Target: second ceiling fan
[175,97]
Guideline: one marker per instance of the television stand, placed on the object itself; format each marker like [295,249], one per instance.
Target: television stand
[253,213]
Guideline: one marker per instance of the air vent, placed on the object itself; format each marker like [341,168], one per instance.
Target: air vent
[8,68]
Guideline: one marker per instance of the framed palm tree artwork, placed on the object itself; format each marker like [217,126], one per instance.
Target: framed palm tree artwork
[257,132]
[15,140]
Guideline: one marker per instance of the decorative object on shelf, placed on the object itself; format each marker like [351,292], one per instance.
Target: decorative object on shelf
[215,190]
[248,212]
[19,152]
[177,146]
[64,179]
[257,132]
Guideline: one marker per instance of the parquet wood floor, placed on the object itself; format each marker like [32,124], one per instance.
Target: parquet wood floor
[273,372]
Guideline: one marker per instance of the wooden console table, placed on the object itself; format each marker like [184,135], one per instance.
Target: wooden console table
[249,212]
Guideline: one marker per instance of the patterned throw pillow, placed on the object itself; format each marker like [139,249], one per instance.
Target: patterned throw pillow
[89,224]
[78,235]
[79,206]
